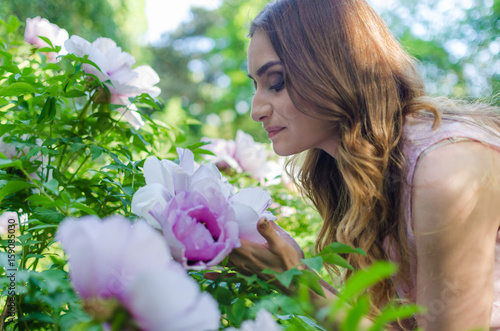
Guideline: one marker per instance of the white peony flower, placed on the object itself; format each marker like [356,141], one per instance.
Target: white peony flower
[116,67]
[36,27]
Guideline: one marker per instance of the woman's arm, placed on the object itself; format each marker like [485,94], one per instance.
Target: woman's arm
[456,216]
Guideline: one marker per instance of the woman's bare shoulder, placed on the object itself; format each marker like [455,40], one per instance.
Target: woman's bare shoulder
[453,178]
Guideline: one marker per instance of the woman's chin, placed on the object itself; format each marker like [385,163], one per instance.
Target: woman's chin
[284,151]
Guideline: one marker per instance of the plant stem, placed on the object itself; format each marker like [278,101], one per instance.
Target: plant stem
[3,317]
[41,189]
[106,134]
[80,116]
[76,171]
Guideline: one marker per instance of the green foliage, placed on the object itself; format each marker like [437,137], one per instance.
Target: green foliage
[72,156]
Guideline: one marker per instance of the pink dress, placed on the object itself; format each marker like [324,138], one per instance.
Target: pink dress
[419,139]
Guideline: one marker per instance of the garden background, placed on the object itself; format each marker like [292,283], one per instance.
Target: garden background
[67,152]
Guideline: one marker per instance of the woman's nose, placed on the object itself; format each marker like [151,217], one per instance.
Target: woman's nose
[261,108]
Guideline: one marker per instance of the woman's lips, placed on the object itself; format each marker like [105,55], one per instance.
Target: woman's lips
[274,130]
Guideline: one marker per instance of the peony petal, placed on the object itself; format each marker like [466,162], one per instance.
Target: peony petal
[102,263]
[249,154]
[156,171]
[168,299]
[190,241]
[132,116]
[145,81]
[255,197]
[186,160]
[247,219]
[147,196]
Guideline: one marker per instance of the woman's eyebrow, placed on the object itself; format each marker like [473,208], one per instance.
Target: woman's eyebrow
[262,70]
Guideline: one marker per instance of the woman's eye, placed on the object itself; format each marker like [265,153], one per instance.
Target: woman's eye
[279,86]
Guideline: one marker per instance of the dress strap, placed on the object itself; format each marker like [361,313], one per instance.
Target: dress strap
[450,140]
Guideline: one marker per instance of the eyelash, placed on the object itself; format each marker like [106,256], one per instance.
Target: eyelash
[278,87]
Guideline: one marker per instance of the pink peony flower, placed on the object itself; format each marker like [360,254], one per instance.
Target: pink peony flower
[263,321]
[117,260]
[244,155]
[166,179]
[201,230]
[116,67]
[224,151]
[38,26]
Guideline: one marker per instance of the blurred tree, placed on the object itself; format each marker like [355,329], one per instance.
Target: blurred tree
[456,42]
[121,20]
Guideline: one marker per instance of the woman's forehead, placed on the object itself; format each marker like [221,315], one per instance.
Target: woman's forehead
[260,51]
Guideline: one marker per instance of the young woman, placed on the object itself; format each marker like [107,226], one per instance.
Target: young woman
[403,176]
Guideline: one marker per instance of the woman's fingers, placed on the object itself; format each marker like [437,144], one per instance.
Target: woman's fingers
[288,238]
[269,233]
[287,254]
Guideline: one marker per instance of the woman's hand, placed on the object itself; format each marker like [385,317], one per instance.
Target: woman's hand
[281,252]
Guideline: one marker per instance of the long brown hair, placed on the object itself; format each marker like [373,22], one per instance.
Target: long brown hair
[340,57]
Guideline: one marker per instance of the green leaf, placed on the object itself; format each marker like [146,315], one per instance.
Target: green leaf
[340,248]
[48,110]
[148,100]
[311,280]
[6,163]
[52,185]
[43,226]
[355,314]
[82,60]
[82,207]
[33,151]
[222,295]
[336,259]
[40,199]
[393,312]
[47,215]
[315,263]
[284,278]
[16,89]
[311,322]
[4,128]
[74,94]
[363,279]
[13,186]
[75,147]
[47,40]
[13,24]
[96,151]
[11,68]
[237,311]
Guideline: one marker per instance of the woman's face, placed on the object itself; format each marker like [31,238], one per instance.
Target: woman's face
[290,130]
